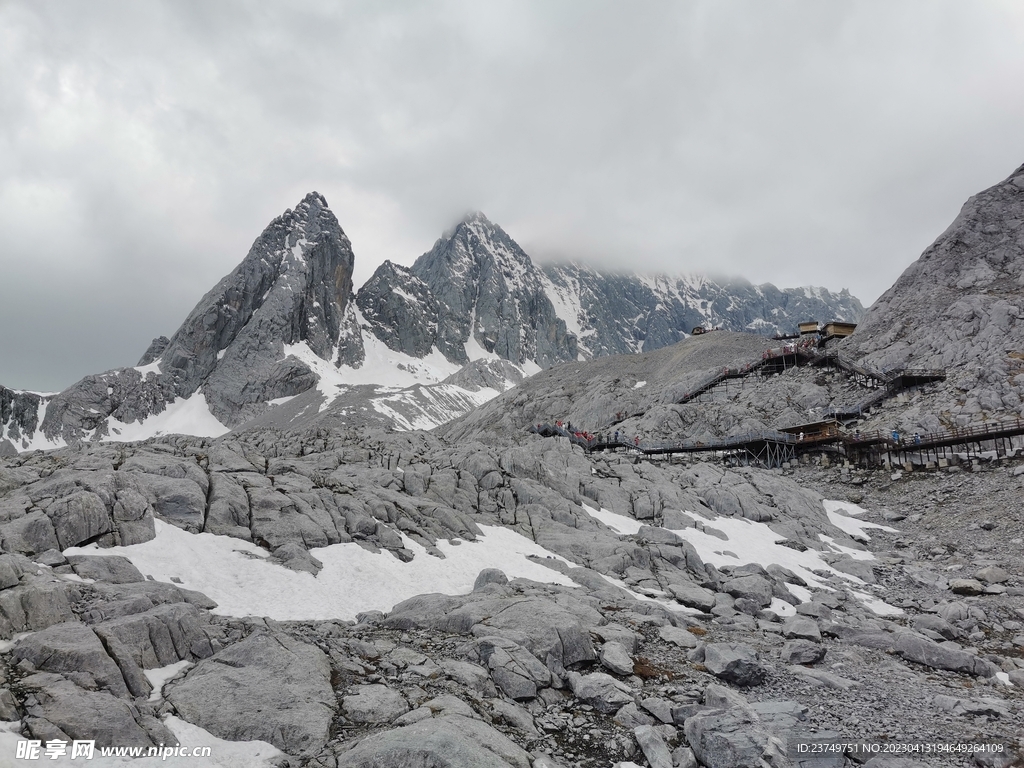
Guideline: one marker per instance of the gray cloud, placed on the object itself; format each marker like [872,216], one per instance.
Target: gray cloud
[144,145]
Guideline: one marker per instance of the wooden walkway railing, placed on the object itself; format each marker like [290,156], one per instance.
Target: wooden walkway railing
[772,447]
[888,383]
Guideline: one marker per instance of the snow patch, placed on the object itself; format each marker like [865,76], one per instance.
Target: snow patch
[157,677]
[238,577]
[153,368]
[751,542]
[618,523]
[184,416]
[847,523]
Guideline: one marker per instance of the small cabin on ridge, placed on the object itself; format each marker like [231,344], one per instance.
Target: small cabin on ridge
[838,329]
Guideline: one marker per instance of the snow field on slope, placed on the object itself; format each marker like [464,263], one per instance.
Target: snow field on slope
[430,406]
[38,441]
[750,542]
[848,523]
[184,416]
[237,575]
[382,366]
[394,371]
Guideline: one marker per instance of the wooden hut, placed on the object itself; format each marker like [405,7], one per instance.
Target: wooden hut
[838,329]
[815,431]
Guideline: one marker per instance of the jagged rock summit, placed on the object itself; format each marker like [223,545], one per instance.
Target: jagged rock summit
[294,287]
[475,293]
[616,313]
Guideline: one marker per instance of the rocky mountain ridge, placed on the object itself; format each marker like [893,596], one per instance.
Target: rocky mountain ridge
[286,324]
[477,287]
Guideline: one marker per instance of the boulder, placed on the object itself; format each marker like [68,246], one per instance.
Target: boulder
[79,518]
[268,687]
[693,596]
[376,704]
[490,576]
[162,635]
[470,675]
[509,713]
[60,704]
[984,706]
[615,658]
[821,678]
[801,628]
[33,606]
[735,663]
[11,569]
[801,652]
[752,587]
[966,587]
[630,716]
[677,636]
[931,654]
[556,626]
[515,671]
[8,706]
[603,692]
[31,534]
[73,650]
[451,741]
[929,623]
[653,746]
[112,569]
[732,738]
[992,574]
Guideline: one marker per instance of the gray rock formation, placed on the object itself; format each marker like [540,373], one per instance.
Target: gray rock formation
[452,740]
[267,687]
[400,310]
[958,307]
[735,663]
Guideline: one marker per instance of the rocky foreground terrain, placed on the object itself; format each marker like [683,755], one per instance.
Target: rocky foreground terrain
[657,638]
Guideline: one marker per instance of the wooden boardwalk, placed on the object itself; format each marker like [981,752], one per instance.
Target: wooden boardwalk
[772,448]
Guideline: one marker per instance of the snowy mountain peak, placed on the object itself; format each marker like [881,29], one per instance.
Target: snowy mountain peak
[228,357]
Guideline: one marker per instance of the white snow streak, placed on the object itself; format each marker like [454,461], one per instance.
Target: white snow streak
[237,575]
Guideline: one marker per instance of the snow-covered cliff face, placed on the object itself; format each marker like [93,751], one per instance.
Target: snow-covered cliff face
[616,313]
[960,307]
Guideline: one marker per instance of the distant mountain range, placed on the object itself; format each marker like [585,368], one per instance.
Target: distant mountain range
[284,340]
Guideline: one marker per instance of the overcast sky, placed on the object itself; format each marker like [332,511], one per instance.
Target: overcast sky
[144,145]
